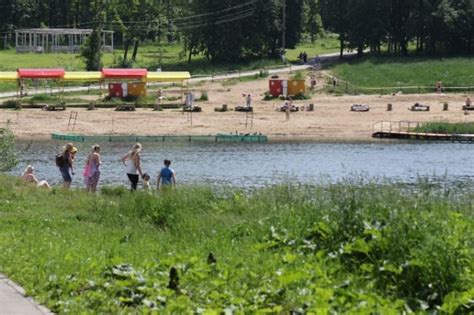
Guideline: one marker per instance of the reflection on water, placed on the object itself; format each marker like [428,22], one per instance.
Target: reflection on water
[252,165]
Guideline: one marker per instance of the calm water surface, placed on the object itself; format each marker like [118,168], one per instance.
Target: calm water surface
[254,165]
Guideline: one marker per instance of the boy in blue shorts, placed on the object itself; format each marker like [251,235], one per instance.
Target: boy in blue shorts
[167,176]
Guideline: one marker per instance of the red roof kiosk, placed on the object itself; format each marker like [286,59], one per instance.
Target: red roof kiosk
[56,75]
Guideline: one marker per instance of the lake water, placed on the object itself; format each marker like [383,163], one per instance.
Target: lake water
[255,165]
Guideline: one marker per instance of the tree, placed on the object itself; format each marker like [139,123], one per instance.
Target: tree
[294,23]
[313,23]
[91,51]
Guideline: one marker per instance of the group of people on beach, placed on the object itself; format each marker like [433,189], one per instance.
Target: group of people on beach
[65,161]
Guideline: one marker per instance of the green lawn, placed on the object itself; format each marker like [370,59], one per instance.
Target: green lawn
[377,72]
[342,248]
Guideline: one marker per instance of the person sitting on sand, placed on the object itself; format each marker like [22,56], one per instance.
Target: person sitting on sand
[29,177]
[468,101]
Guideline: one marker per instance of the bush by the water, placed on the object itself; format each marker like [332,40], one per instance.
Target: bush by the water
[342,248]
[447,128]
[8,158]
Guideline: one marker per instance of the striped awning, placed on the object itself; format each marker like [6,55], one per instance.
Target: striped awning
[168,76]
[8,76]
[41,73]
[83,76]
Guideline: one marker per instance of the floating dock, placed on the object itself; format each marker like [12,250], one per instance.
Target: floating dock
[245,138]
[404,130]
[423,136]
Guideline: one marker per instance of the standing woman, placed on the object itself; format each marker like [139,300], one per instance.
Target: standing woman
[65,161]
[132,162]
[92,169]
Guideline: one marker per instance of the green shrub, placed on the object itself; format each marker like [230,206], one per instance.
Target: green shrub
[204,96]
[298,76]
[42,98]
[8,158]
[14,104]
[447,128]
[350,248]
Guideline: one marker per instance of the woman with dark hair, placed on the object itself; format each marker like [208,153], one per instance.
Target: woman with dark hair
[132,162]
[65,162]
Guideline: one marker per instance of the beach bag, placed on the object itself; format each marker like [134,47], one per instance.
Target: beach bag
[60,160]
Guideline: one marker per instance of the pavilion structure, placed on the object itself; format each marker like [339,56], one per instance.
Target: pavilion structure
[58,40]
[23,77]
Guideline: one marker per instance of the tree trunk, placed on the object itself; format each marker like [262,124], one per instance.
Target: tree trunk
[125,50]
[341,41]
[135,50]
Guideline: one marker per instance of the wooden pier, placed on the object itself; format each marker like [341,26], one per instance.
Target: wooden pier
[404,130]
[243,138]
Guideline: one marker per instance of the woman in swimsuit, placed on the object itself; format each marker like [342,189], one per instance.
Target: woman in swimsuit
[92,170]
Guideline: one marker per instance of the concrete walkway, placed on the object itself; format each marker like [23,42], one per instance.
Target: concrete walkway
[14,302]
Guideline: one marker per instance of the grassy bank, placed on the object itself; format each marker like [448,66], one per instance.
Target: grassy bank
[444,127]
[409,75]
[345,248]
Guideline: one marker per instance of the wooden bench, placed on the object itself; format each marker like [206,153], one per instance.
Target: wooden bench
[125,108]
[243,109]
[53,108]
[194,109]
[419,108]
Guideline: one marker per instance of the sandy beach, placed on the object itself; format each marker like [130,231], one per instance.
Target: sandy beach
[331,120]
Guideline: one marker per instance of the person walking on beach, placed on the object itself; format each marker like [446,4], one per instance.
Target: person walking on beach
[65,162]
[189,100]
[132,162]
[439,86]
[29,177]
[167,176]
[92,169]
[248,100]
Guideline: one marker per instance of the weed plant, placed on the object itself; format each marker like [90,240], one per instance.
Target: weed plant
[345,248]
[447,128]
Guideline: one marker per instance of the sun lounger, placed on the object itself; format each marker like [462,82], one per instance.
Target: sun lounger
[243,109]
[125,108]
[360,108]
[419,108]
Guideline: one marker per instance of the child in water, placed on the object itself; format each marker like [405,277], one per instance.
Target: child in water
[146,182]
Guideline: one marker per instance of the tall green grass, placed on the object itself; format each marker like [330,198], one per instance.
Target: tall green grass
[448,128]
[342,248]
[399,73]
